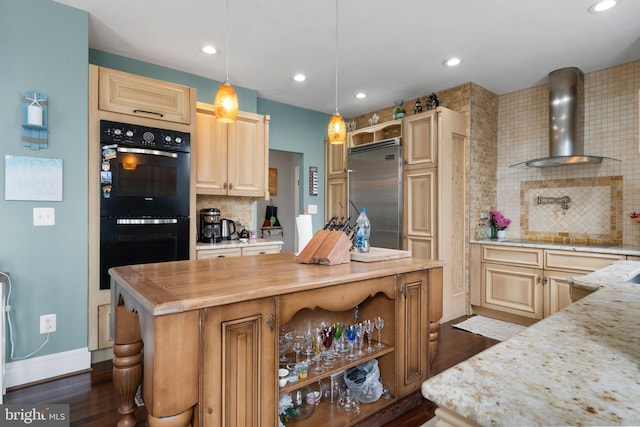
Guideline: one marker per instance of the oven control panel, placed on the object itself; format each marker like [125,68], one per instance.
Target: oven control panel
[143,137]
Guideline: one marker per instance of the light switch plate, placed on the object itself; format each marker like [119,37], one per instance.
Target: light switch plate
[44,216]
[313,209]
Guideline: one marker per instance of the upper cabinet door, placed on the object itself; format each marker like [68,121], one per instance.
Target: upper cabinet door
[231,159]
[248,156]
[336,159]
[211,152]
[421,148]
[139,96]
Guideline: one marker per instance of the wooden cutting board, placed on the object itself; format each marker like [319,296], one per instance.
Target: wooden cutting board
[379,254]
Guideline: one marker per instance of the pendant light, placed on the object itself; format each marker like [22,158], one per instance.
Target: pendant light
[337,128]
[225,104]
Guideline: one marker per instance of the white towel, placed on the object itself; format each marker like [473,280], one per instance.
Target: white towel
[304,231]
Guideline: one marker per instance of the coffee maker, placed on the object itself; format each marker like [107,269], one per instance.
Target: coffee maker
[210,228]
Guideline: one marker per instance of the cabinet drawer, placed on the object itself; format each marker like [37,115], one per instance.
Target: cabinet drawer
[219,253]
[528,257]
[261,250]
[578,261]
[135,95]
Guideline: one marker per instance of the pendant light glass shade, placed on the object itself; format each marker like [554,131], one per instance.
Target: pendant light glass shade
[337,129]
[225,104]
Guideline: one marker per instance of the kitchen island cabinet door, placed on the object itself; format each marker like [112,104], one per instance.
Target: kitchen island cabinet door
[239,355]
[411,336]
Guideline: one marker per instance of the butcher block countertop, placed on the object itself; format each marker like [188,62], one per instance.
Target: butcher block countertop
[580,366]
[174,287]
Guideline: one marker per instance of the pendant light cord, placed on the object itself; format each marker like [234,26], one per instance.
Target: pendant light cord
[227,40]
[336,56]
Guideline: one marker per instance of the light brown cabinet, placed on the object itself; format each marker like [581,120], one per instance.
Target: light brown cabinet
[403,302]
[232,159]
[336,184]
[210,353]
[241,251]
[530,283]
[238,358]
[126,93]
[434,197]
[376,133]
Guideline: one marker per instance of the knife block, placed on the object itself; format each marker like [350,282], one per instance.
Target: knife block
[326,248]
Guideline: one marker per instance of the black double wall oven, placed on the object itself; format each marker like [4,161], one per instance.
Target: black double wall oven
[144,200]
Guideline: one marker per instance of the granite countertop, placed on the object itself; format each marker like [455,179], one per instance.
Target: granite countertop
[580,366]
[603,248]
[228,244]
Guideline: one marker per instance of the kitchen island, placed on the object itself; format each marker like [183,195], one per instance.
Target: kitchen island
[576,367]
[201,335]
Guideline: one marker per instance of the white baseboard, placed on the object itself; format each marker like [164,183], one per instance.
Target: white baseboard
[45,367]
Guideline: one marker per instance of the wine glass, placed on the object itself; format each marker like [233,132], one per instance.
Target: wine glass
[298,342]
[359,339]
[317,346]
[368,329]
[284,342]
[327,340]
[337,335]
[379,324]
[308,335]
[351,331]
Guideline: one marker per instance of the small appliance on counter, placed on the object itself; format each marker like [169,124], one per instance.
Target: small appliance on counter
[228,229]
[210,229]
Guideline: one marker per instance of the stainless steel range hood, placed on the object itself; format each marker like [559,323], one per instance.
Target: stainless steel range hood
[566,122]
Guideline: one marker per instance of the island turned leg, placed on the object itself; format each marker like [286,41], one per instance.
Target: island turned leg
[127,363]
[435,311]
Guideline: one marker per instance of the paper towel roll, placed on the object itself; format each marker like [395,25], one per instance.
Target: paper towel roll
[304,231]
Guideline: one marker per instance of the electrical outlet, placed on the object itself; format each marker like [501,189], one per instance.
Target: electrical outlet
[47,323]
[44,216]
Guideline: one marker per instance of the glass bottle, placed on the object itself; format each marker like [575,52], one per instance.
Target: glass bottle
[363,233]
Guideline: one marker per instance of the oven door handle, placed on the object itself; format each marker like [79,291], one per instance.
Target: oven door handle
[146,151]
[152,221]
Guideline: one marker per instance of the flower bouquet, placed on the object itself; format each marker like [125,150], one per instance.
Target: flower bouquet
[498,220]
[635,216]
[498,224]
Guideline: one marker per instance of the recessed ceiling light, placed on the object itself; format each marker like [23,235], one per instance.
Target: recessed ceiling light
[451,62]
[361,95]
[602,5]
[209,50]
[299,77]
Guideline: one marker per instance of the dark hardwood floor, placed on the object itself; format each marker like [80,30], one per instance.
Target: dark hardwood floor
[93,403]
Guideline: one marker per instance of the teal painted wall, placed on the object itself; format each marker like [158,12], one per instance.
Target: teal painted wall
[301,131]
[44,48]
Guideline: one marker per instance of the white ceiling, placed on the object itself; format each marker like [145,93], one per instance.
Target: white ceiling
[390,49]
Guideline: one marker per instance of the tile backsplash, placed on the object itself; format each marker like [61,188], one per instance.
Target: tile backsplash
[593,215]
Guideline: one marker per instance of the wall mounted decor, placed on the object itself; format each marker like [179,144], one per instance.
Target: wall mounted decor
[32,178]
[34,124]
[273,181]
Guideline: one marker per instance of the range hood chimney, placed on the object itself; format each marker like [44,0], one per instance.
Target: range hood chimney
[566,122]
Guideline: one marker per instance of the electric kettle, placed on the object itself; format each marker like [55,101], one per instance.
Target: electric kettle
[228,229]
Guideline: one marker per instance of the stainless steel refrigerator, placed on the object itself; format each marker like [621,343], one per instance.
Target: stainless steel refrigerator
[375,183]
